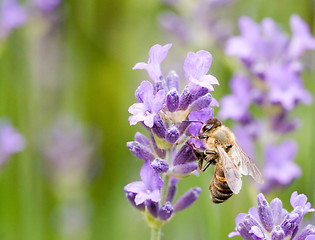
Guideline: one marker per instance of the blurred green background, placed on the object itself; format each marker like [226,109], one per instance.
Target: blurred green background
[77,62]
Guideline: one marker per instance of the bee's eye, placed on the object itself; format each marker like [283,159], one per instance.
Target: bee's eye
[207,128]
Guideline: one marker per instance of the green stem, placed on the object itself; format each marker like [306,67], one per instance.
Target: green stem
[156,228]
[166,178]
[155,233]
[164,189]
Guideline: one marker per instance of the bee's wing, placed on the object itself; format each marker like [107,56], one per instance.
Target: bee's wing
[231,172]
[245,164]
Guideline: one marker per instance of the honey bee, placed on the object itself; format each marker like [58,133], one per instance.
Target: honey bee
[222,150]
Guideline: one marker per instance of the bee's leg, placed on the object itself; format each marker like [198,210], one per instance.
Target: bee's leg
[211,157]
[199,153]
[203,168]
[200,163]
[202,137]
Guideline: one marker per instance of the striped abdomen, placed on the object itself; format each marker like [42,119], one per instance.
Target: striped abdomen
[219,188]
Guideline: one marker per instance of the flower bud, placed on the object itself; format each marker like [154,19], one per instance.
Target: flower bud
[249,222]
[171,189]
[172,81]
[152,207]
[172,100]
[159,127]
[139,137]
[244,232]
[159,165]
[157,86]
[201,92]
[288,223]
[249,228]
[264,212]
[307,231]
[187,199]
[172,134]
[166,211]
[140,151]
[185,154]
[185,99]
[183,169]
[201,102]
[277,233]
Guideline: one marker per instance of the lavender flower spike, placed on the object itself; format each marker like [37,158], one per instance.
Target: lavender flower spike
[157,54]
[302,38]
[148,188]
[166,112]
[272,222]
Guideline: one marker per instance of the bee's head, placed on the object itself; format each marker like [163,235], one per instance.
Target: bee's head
[210,125]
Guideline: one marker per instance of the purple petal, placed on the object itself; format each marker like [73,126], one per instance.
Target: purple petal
[149,120]
[144,88]
[135,187]
[157,54]
[197,64]
[137,110]
[157,101]
[131,198]
[300,200]
[302,38]
[150,177]
[172,81]
[279,166]
[238,46]
[141,197]
[155,195]
[233,234]
[239,218]
[256,231]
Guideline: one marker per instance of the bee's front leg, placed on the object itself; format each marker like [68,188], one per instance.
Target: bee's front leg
[207,155]
[211,158]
